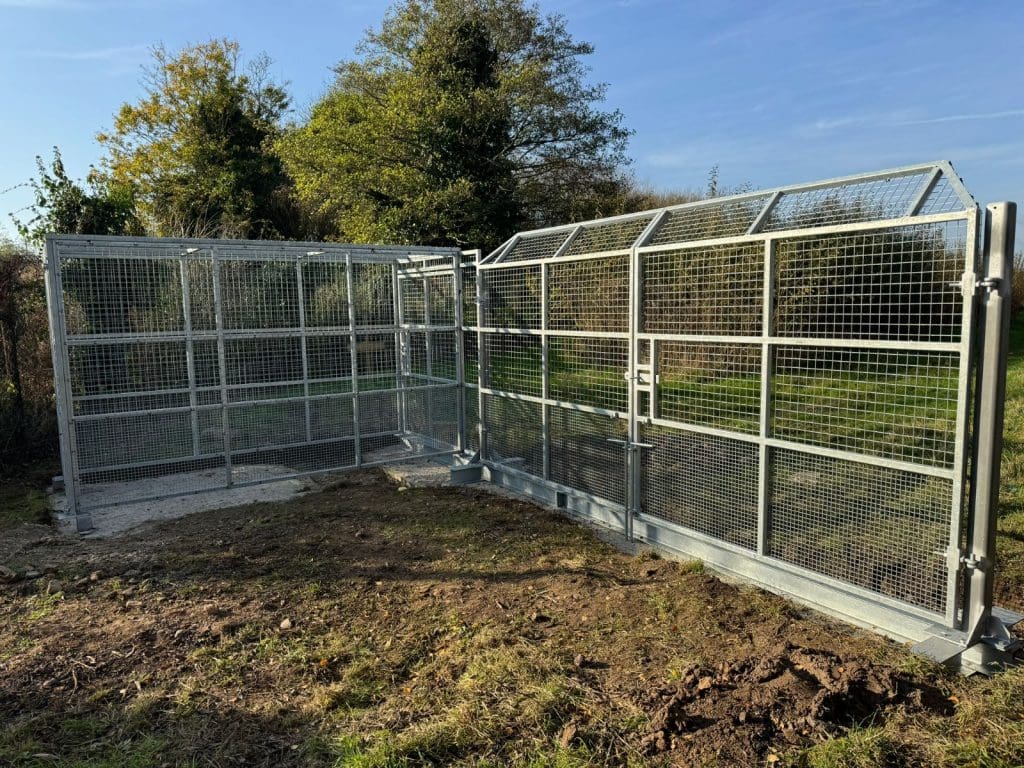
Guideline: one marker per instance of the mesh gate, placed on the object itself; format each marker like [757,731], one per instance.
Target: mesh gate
[225,363]
[776,381]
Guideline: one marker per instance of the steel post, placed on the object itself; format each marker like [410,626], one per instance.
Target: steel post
[1000,225]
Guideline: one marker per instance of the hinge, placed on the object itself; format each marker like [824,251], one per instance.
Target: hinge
[972,562]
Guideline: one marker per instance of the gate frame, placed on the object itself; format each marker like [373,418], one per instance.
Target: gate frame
[974,634]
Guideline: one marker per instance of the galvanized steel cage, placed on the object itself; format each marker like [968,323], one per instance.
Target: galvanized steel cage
[787,384]
[227,363]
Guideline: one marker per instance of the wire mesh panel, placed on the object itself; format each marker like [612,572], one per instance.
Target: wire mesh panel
[885,530]
[794,367]
[192,365]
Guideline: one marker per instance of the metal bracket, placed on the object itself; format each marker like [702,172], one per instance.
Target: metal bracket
[972,562]
[989,284]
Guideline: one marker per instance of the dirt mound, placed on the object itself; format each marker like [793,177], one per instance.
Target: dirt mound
[791,696]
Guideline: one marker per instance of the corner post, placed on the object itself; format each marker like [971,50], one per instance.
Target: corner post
[62,389]
[1000,223]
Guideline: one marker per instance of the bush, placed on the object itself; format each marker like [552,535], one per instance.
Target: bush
[28,423]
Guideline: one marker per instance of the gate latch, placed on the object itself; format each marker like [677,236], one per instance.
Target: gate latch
[627,443]
[989,284]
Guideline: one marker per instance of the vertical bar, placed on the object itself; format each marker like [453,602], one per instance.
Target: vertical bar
[190,357]
[302,343]
[428,344]
[460,363]
[62,390]
[764,429]
[633,489]
[652,403]
[353,351]
[483,362]
[1000,223]
[400,346]
[955,612]
[218,309]
[545,373]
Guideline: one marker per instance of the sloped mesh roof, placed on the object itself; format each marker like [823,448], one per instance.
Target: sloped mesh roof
[910,192]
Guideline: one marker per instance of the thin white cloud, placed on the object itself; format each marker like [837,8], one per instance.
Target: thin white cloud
[116,53]
[964,117]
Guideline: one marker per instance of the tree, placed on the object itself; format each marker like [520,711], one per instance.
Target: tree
[62,205]
[462,121]
[198,148]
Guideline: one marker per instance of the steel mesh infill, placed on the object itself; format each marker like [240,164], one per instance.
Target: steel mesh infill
[705,483]
[881,529]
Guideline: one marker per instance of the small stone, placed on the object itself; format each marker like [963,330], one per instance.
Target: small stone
[286,624]
[579,661]
[403,488]
[81,583]
[568,734]
[133,604]
[33,574]
[362,535]
[54,586]
[704,683]
[95,575]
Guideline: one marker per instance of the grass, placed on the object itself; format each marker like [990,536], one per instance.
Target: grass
[1010,532]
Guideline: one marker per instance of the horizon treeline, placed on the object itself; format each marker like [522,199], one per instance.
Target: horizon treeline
[455,122]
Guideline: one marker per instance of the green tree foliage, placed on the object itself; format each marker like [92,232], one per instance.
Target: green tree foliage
[64,206]
[198,147]
[461,122]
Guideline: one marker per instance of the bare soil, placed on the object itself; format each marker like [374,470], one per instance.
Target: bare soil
[374,625]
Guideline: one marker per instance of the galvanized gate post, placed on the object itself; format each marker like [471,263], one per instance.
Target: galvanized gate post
[62,390]
[1000,224]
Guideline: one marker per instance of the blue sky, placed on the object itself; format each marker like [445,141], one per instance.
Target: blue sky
[772,92]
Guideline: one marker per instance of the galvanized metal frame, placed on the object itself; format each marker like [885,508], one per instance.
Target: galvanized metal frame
[231,394]
[895,617]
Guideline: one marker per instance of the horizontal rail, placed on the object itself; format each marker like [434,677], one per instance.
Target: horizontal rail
[437,385]
[97,339]
[815,450]
[569,406]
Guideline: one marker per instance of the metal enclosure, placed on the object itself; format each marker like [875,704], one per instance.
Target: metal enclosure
[226,363]
[779,383]
[802,387]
